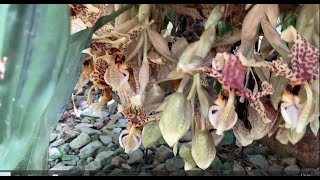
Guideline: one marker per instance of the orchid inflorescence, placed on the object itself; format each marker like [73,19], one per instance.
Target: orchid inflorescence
[135,62]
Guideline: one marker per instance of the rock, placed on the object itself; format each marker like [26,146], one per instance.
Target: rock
[93,166]
[255,149]
[59,127]
[160,170]
[73,160]
[103,157]
[163,153]
[103,148]
[86,120]
[54,153]
[83,104]
[292,170]
[104,114]
[115,139]
[155,162]
[90,131]
[98,125]
[111,146]
[126,166]
[178,173]
[69,107]
[187,137]
[147,167]
[310,172]
[275,170]
[114,117]
[216,164]
[80,141]
[90,149]
[117,130]
[82,162]
[149,152]
[135,157]
[57,142]
[238,170]
[100,120]
[174,164]
[80,125]
[65,148]
[105,139]
[53,136]
[111,126]
[289,161]
[160,167]
[122,123]
[100,173]
[70,134]
[109,167]
[119,151]
[117,161]
[89,159]
[306,151]
[124,156]
[227,167]
[144,174]
[195,172]
[59,135]
[259,161]
[116,172]
[87,113]
[62,168]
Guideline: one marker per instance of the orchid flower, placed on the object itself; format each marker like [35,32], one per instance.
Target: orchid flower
[229,71]
[301,73]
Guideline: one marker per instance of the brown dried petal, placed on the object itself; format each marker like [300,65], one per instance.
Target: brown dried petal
[242,134]
[259,129]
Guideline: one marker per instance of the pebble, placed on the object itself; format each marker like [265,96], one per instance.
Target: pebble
[163,153]
[259,161]
[135,157]
[105,139]
[82,140]
[90,149]
[174,164]
[57,142]
[292,170]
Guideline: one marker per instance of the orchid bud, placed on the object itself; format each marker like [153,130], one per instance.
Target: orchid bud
[203,149]
[150,134]
[176,118]
[185,154]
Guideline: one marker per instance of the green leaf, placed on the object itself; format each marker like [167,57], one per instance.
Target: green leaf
[227,138]
[289,20]
[44,63]
[55,156]
[218,86]
[164,23]
[162,141]
[223,28]
[34,38]
[65,157]
[71,71]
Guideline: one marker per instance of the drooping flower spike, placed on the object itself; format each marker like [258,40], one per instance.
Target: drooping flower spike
[302,71]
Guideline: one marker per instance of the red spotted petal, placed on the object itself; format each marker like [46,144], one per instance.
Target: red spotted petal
[233,72]
[305,59]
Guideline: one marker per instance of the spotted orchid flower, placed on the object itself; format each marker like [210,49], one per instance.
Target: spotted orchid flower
[302,71]
[229,71]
